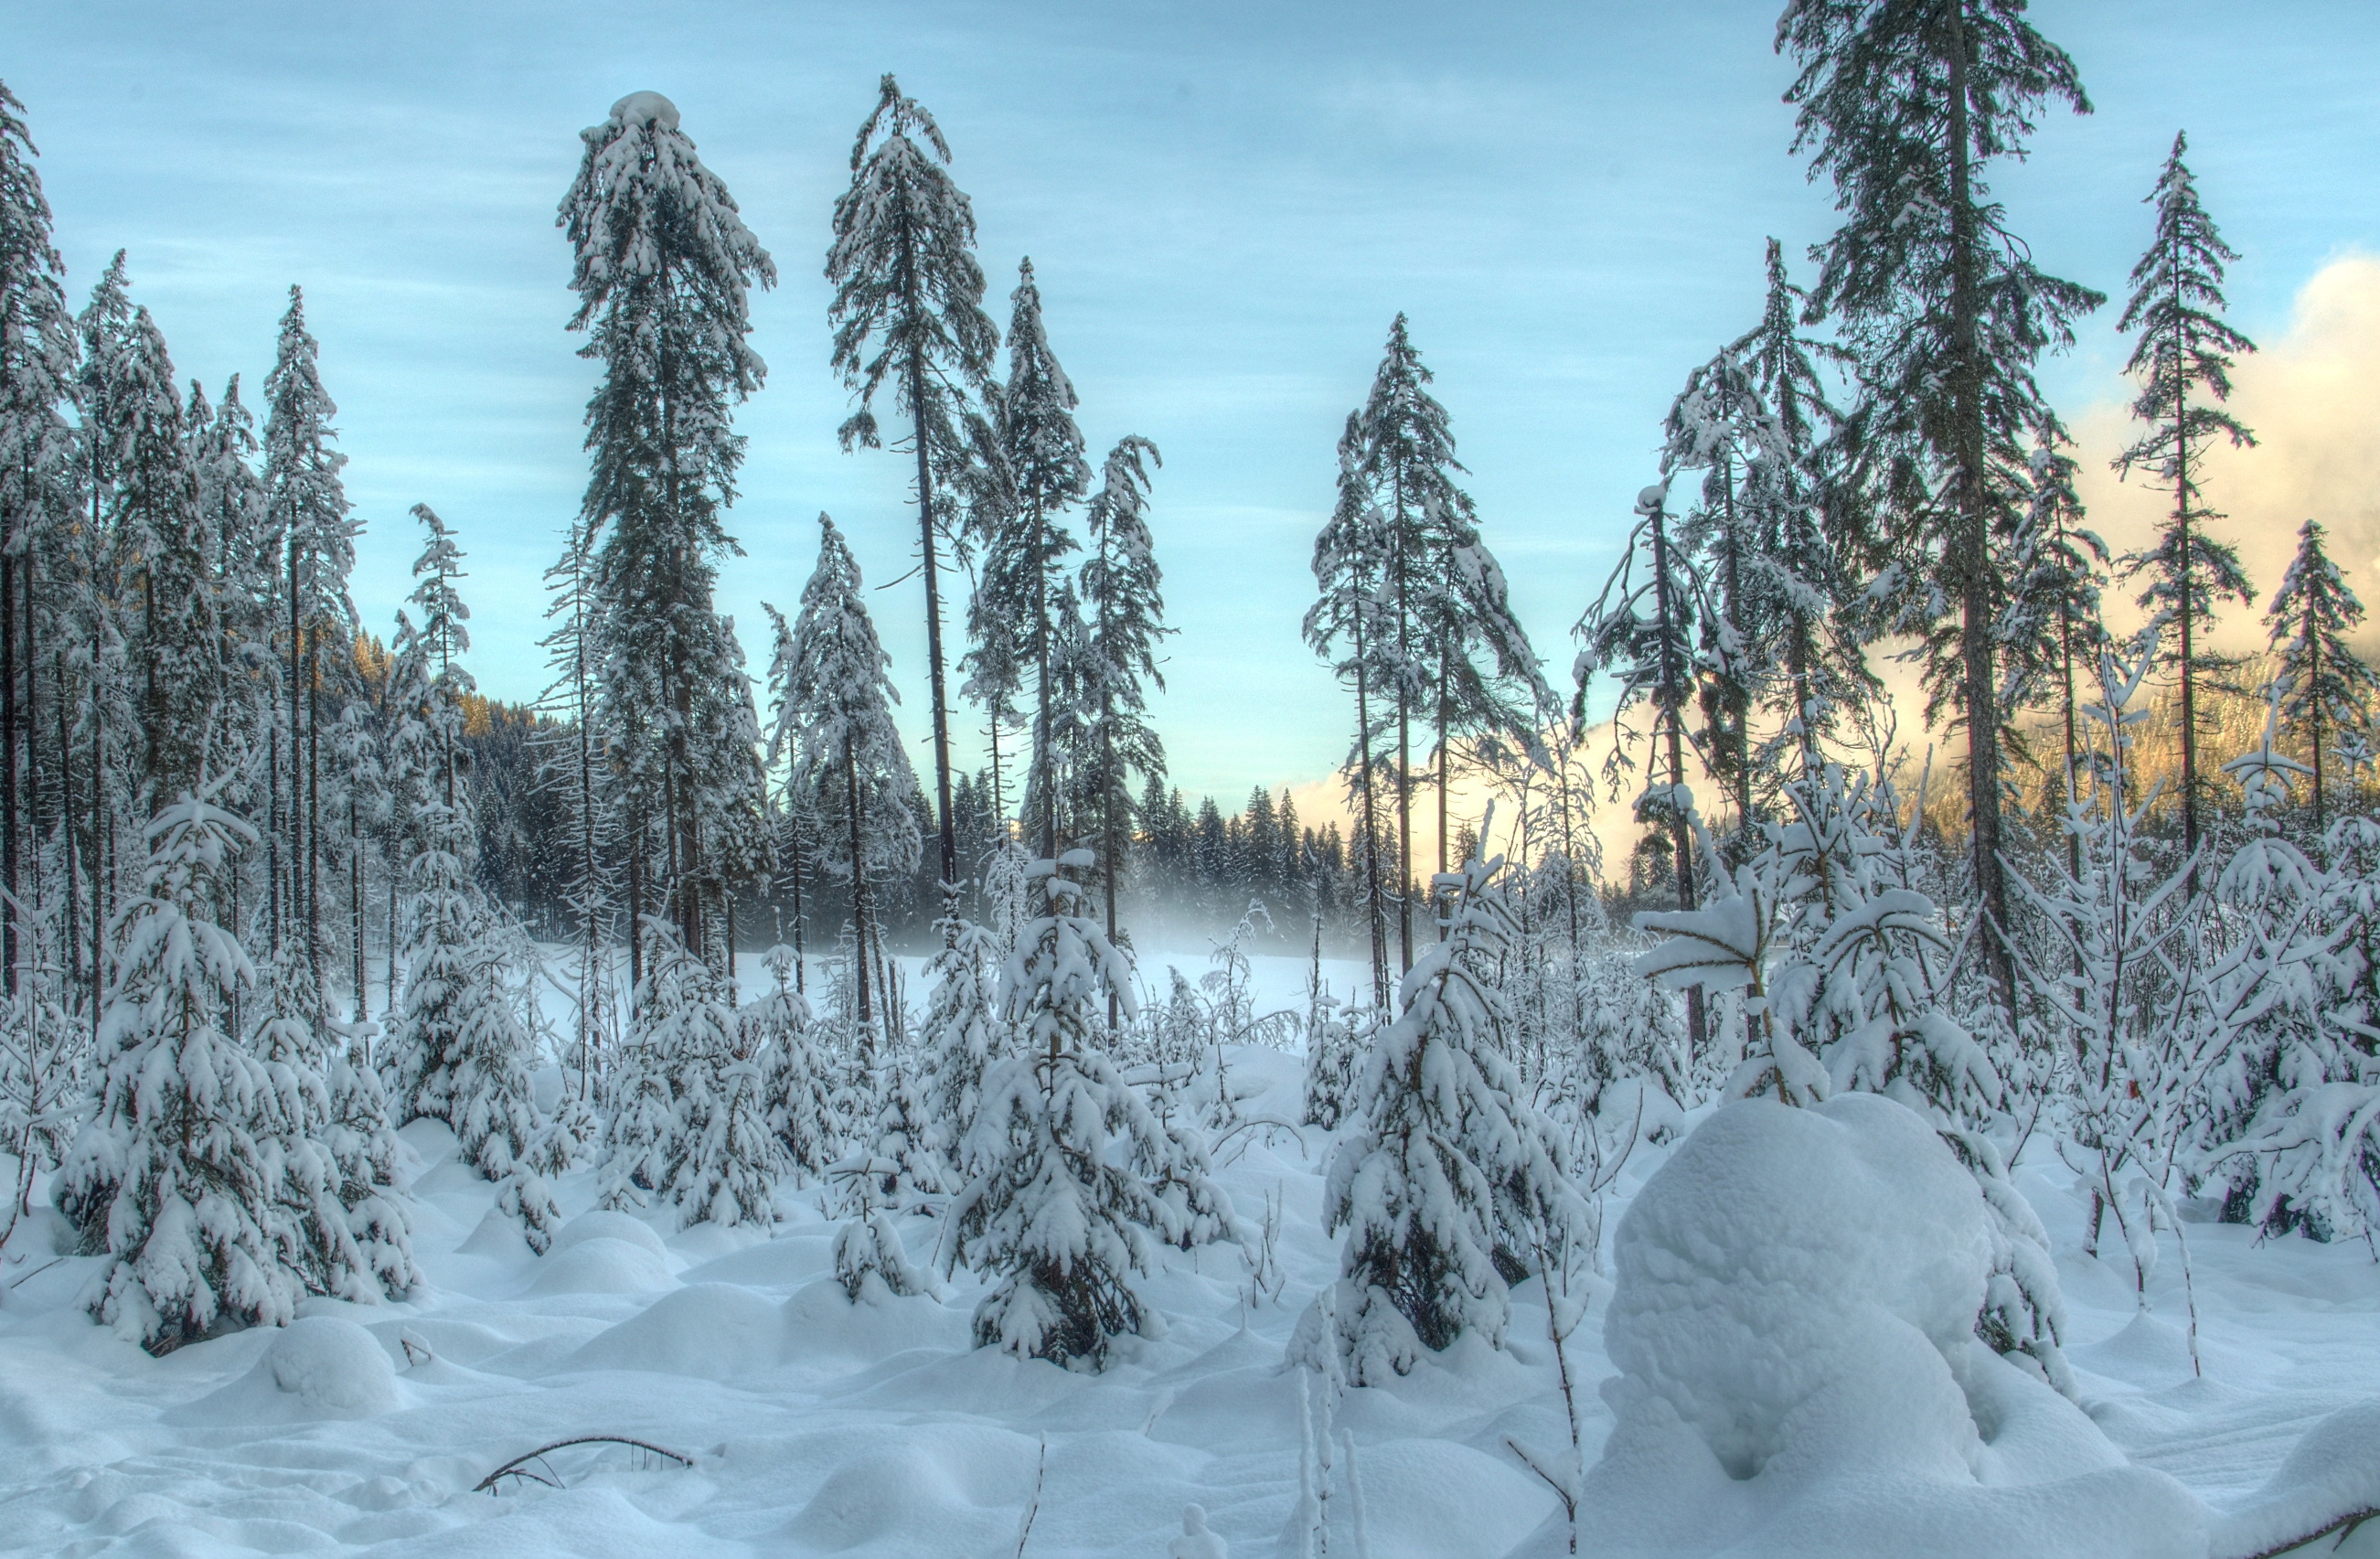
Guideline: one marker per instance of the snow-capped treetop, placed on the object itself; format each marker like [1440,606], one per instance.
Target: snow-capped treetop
[36,351]
[645,218]
[645,108]
[907,279]
[306,503]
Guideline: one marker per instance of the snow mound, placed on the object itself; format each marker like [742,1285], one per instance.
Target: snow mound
[2333,1471]
[601,1265]
[645,108]
[1793,1323]
[929,1491]
[320,1367]
[711,1330]
[603,1225]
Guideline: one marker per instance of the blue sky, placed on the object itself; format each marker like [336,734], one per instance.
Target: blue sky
[1225,204]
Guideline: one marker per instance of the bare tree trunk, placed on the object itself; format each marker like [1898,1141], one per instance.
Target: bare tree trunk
[1970,557]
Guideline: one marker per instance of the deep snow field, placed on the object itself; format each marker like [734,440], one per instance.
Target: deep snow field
[816,1426]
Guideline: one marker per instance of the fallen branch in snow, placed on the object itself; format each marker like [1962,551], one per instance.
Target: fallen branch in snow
[518,1466]
[36,1272]
[2344,1525]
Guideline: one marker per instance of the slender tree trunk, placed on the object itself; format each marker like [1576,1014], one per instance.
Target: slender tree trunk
[314,816]
[1972,552]
[356,900]
[9,929]
[1445,718]
[858,898]
[1042,787]
[1111,841]
[636,899]
[915,307]
[1405,743]
[1374,920]
[1674,705]
[70,846]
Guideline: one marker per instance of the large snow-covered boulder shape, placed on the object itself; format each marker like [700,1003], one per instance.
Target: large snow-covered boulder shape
[603,1223]
[1771,1232]
[317,1366]
[333,1367]
[1794,1321]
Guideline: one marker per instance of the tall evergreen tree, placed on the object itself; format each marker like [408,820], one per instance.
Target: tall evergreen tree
[1799,575]
[1346,627]
[1905,105]
[1118,663]
[1042,452]
[36,367]
[2324,685]
[663,265]
[1720,425]
[307,511]
[166,572]
[831,695]
[2054,632]
[1642,629]
[2183,347]
[908,291]
[1444,596]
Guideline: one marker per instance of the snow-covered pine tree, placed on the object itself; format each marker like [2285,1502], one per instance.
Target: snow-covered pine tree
[457,1050]
[908,306]
[1443,597]
[1117,661]
[1722,425]
[1070,1178]
[1798,572]
[307,511]
[335,1147]
[36,379]
[799,1093]
[962,1031]
[2183,347]
[1346,627]
[2054,631]
[1905,105]
[103,703]
[2129,984]
[2325,689]
[663,265]
[571,772]
[831,701]
[719,1161]
[1041,453]
[174,1178]
[247,571]
[2279,1108]
[1447,1177]
[166,574]
[1642,628]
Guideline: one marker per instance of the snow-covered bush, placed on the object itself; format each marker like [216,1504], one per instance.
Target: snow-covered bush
[1070,1179]
[176,1178]
[1445,1184]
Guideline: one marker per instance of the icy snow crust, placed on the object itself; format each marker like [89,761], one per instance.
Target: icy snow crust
[1784,1349]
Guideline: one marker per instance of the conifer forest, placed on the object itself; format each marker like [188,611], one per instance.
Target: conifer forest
[1860,1035]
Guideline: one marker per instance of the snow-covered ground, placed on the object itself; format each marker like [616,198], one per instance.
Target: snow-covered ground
[815,1426]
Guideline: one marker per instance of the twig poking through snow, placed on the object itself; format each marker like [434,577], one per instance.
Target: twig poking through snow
[517,1467]
[1033,1506]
